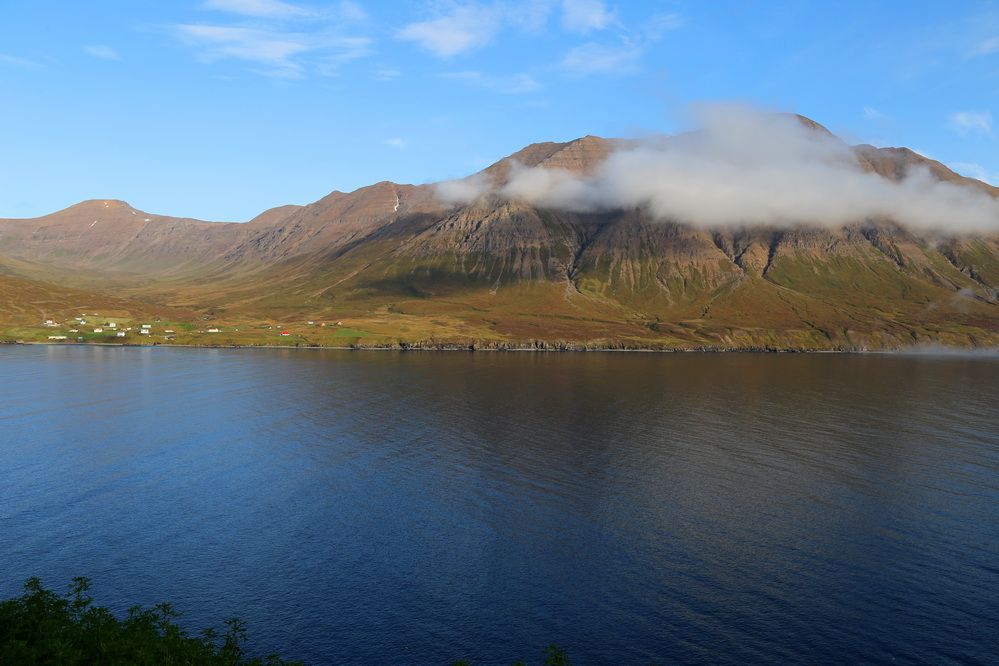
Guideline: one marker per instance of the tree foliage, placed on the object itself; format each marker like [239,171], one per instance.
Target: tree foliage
[42,626]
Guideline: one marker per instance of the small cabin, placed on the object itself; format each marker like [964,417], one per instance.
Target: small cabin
[120,334]
[98,330]
[57,337]
[144,331]
[112,325]
[147,326]
[213,330]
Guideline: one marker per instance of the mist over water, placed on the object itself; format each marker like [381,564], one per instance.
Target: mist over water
[422,507]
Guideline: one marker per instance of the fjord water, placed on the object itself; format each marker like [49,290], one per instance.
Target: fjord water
[378,507]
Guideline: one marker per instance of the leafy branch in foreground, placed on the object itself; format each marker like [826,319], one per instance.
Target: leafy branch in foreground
[42,626]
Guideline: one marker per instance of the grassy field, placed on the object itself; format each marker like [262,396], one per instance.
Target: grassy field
[494,329]
[806,302]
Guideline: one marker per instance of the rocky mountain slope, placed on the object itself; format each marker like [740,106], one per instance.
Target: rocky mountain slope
[503,271]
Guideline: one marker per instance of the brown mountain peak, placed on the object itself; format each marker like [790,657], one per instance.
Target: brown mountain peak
[896,163]
[811,124]
[580,155]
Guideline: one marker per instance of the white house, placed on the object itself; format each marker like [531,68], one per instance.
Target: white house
[147,326]
[74,330]
[112,325]
[120,334]
[98,330]
[169,330]
[144,331]
[57,337]
[213,330]
[49,322]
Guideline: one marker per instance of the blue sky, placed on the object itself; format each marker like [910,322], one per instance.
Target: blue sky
[219,109]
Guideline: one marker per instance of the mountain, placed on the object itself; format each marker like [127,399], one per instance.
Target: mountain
[397,264]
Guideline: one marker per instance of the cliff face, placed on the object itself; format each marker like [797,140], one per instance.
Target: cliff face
[870,283]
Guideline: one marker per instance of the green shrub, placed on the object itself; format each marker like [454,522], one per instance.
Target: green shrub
[42,626]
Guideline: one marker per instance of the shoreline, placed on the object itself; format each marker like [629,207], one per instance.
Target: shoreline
[456,348]
[569,348]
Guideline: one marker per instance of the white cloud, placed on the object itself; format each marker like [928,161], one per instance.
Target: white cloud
[18,62]
[397,143]
[512,84]
[746,168]
[278,51]
[102,51]
[528,15]
[584,16]
[338,51]
[275,50]
[971,122]
[282,39]
[873,114]
[976,171]
[387,74]
[987,47]
[623,57]
[464,190]
[464,28]
[660,24]
[459,27]
[260,8]
[593,58]
[348,10]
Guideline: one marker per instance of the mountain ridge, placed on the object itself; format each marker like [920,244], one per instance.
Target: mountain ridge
[414,268]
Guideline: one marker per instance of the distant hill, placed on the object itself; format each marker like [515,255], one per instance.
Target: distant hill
[410,267]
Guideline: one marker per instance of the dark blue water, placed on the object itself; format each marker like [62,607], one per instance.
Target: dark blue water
[419,508]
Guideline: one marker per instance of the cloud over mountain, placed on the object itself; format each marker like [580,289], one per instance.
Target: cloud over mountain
[745,167]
